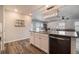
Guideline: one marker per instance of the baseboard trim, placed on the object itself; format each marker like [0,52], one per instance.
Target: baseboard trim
[16,40]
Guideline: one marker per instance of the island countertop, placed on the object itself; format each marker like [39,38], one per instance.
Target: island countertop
[65,33]
[61,33]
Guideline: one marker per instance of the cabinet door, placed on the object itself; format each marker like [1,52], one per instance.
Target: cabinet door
[32,38]
[44,43]
[37,42]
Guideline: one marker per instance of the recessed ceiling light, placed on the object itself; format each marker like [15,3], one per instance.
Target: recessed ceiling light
[47,6]
[30,14]
[15,10]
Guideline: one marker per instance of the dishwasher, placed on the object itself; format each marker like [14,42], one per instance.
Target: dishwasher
[59,44]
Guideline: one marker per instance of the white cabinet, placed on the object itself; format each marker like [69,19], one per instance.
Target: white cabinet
[44,43]
[41,41]
[32,38]
[37,41]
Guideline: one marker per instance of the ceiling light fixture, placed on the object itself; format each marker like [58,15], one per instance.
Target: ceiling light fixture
[47,6]
[15,10]
[30,14]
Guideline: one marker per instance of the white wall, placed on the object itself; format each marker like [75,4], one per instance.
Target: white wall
[1,13]
[13,33]
[1,18]
[1,23]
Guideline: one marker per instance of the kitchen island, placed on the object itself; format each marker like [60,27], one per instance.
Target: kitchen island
[55,42]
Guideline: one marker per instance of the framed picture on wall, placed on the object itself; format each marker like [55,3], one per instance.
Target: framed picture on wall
[19,23]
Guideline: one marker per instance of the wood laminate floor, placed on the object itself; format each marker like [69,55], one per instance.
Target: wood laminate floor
[21,47]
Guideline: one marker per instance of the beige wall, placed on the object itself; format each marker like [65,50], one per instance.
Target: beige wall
[13,33]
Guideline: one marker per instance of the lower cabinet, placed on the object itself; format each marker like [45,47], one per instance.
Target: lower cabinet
[52,44]
[40,41]
[44,43]
[32,38]
[37,40]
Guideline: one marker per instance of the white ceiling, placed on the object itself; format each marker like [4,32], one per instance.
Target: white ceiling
[71,11]
[24,9]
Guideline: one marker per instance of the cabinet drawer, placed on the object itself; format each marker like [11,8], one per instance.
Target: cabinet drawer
[43,36]
[36,35]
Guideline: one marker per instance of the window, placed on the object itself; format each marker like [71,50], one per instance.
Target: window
[36,26]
